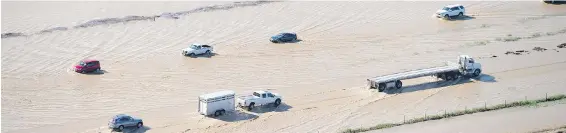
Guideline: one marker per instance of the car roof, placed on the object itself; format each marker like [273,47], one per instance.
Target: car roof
[89,60]
[217,94]
[261,92]
[453,5]
[196,44]
[121,116]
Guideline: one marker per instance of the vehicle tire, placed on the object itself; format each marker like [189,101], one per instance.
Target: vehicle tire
[192,54]
[140,125]
[381,87]
[217,113]
[460,14]
[477,72]
[207,52]
[440,76]
[277,102]
[222,112]
[97,70]
[446,16]
[121,128]
[251,106]
[83,71]
[398,84]
[449,77]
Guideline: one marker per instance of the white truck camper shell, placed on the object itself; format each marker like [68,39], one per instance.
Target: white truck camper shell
[217,103]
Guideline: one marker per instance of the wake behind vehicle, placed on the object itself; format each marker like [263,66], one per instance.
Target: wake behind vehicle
[259,98]
[466,67]
[121,121]
[451,11]
[88,65]
[283,37]
[197,49]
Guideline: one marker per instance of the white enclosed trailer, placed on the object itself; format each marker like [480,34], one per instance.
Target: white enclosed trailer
[466,66]
[217,103]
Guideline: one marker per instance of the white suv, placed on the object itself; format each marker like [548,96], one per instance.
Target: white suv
[451,11]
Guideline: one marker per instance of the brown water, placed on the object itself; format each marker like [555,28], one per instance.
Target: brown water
[343,44]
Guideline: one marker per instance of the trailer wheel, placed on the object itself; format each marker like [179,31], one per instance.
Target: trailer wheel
[398,84]
[217,113]
[251,106]
[441,76]
[449,77]
[381,87]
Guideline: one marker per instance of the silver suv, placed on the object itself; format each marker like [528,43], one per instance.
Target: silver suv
[121,121]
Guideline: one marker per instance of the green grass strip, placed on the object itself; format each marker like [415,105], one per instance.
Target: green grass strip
[458,113]
[551,129]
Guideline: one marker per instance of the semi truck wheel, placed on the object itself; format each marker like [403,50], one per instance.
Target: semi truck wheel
[441,76]
[381,87]
[398,84]
[477,72]
[449,77]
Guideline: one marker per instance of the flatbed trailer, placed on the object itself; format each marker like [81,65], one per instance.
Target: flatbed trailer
[450,71]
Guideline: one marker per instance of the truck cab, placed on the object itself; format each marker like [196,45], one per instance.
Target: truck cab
[259,98]
[468,66]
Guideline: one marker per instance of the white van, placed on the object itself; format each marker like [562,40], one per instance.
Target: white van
[217,103]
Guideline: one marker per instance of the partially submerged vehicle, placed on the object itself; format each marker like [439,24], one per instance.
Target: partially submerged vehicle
[219,103]
[284,37]
[88,65]
[197,49]
[451,11]
[121,121]
[466,67]
[259,98]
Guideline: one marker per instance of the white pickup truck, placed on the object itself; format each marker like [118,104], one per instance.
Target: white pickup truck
[197,49]
[259,98]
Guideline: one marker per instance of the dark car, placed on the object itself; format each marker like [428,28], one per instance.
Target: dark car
[85,66]
[120,121]
[284,37]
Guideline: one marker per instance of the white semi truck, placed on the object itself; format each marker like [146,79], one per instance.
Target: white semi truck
[466,67]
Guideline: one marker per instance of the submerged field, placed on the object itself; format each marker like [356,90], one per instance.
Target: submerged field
[322,78]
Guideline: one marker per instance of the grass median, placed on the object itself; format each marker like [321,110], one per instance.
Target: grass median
[459,113]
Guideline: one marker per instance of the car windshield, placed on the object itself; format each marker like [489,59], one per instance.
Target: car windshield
[193,46]
[256,94]
[82,63]
[446,8]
